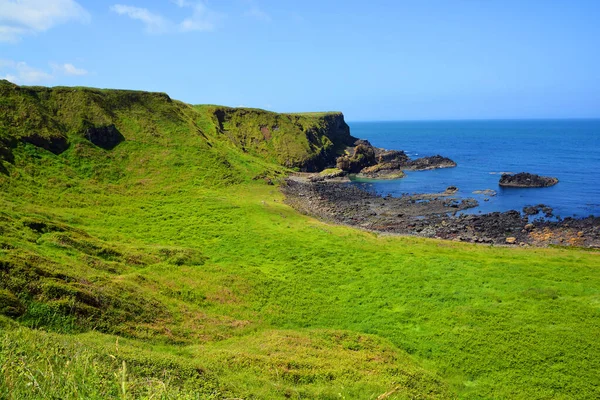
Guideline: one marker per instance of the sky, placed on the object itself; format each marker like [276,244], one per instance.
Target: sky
[372,60]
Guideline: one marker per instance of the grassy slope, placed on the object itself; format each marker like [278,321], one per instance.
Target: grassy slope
[163,268]
[308,141]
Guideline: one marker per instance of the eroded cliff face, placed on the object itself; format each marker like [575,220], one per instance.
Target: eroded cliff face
[56,119]
[309,142]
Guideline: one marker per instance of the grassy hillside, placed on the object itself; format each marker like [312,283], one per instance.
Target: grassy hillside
[170,267]
[307,141]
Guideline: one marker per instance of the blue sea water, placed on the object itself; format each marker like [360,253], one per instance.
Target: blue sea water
[566,149]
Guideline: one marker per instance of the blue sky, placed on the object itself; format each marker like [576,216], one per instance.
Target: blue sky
[376,60]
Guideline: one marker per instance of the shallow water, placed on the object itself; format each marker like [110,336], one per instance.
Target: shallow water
[566,149]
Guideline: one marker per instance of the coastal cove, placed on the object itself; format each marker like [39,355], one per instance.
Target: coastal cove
[567,149]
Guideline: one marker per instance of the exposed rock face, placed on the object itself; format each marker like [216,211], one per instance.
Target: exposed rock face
[527,180]
[55,144]
[5,155]
[392,156]
[310,142]
[43,116]
[107,137]
[362,156]
[371,162]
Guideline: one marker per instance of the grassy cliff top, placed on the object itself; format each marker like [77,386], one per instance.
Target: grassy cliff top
[56,117]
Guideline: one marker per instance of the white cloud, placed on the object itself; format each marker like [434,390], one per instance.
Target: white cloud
[68,69]
[154,23]
[21,73]
[256,12]
[201,18]
[26,17]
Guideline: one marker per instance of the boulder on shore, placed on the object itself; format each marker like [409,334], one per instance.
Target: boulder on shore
[527,180]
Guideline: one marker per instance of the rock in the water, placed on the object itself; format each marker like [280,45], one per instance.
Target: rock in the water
[392,156]
[106,137]
[486,192]
[533,210]
[527,180]
[433,162]
[385,171]
[377,163]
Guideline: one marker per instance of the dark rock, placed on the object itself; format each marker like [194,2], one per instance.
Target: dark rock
[6,152]
[363,142]
[107,137]
[54,144]
[392,156]
[362,156]
[530,210]
[533,210]
[547,210]
[433,162]
[526,180]
[383,170]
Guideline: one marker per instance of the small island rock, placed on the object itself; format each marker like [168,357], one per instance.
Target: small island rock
[527,180]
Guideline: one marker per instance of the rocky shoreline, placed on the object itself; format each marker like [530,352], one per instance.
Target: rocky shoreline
[434,215]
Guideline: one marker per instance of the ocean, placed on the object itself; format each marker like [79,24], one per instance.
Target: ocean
[566,149]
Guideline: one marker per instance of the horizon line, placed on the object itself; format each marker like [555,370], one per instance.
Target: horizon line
[479,119]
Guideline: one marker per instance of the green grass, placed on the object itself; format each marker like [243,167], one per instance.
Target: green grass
[169,267]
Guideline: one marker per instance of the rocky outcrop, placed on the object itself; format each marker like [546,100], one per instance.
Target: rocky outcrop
[106,137]
[369,162]
[527,180]
[540,208]
[309,142]
[392,156]
[384,171]
[362,156]
[433,162]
